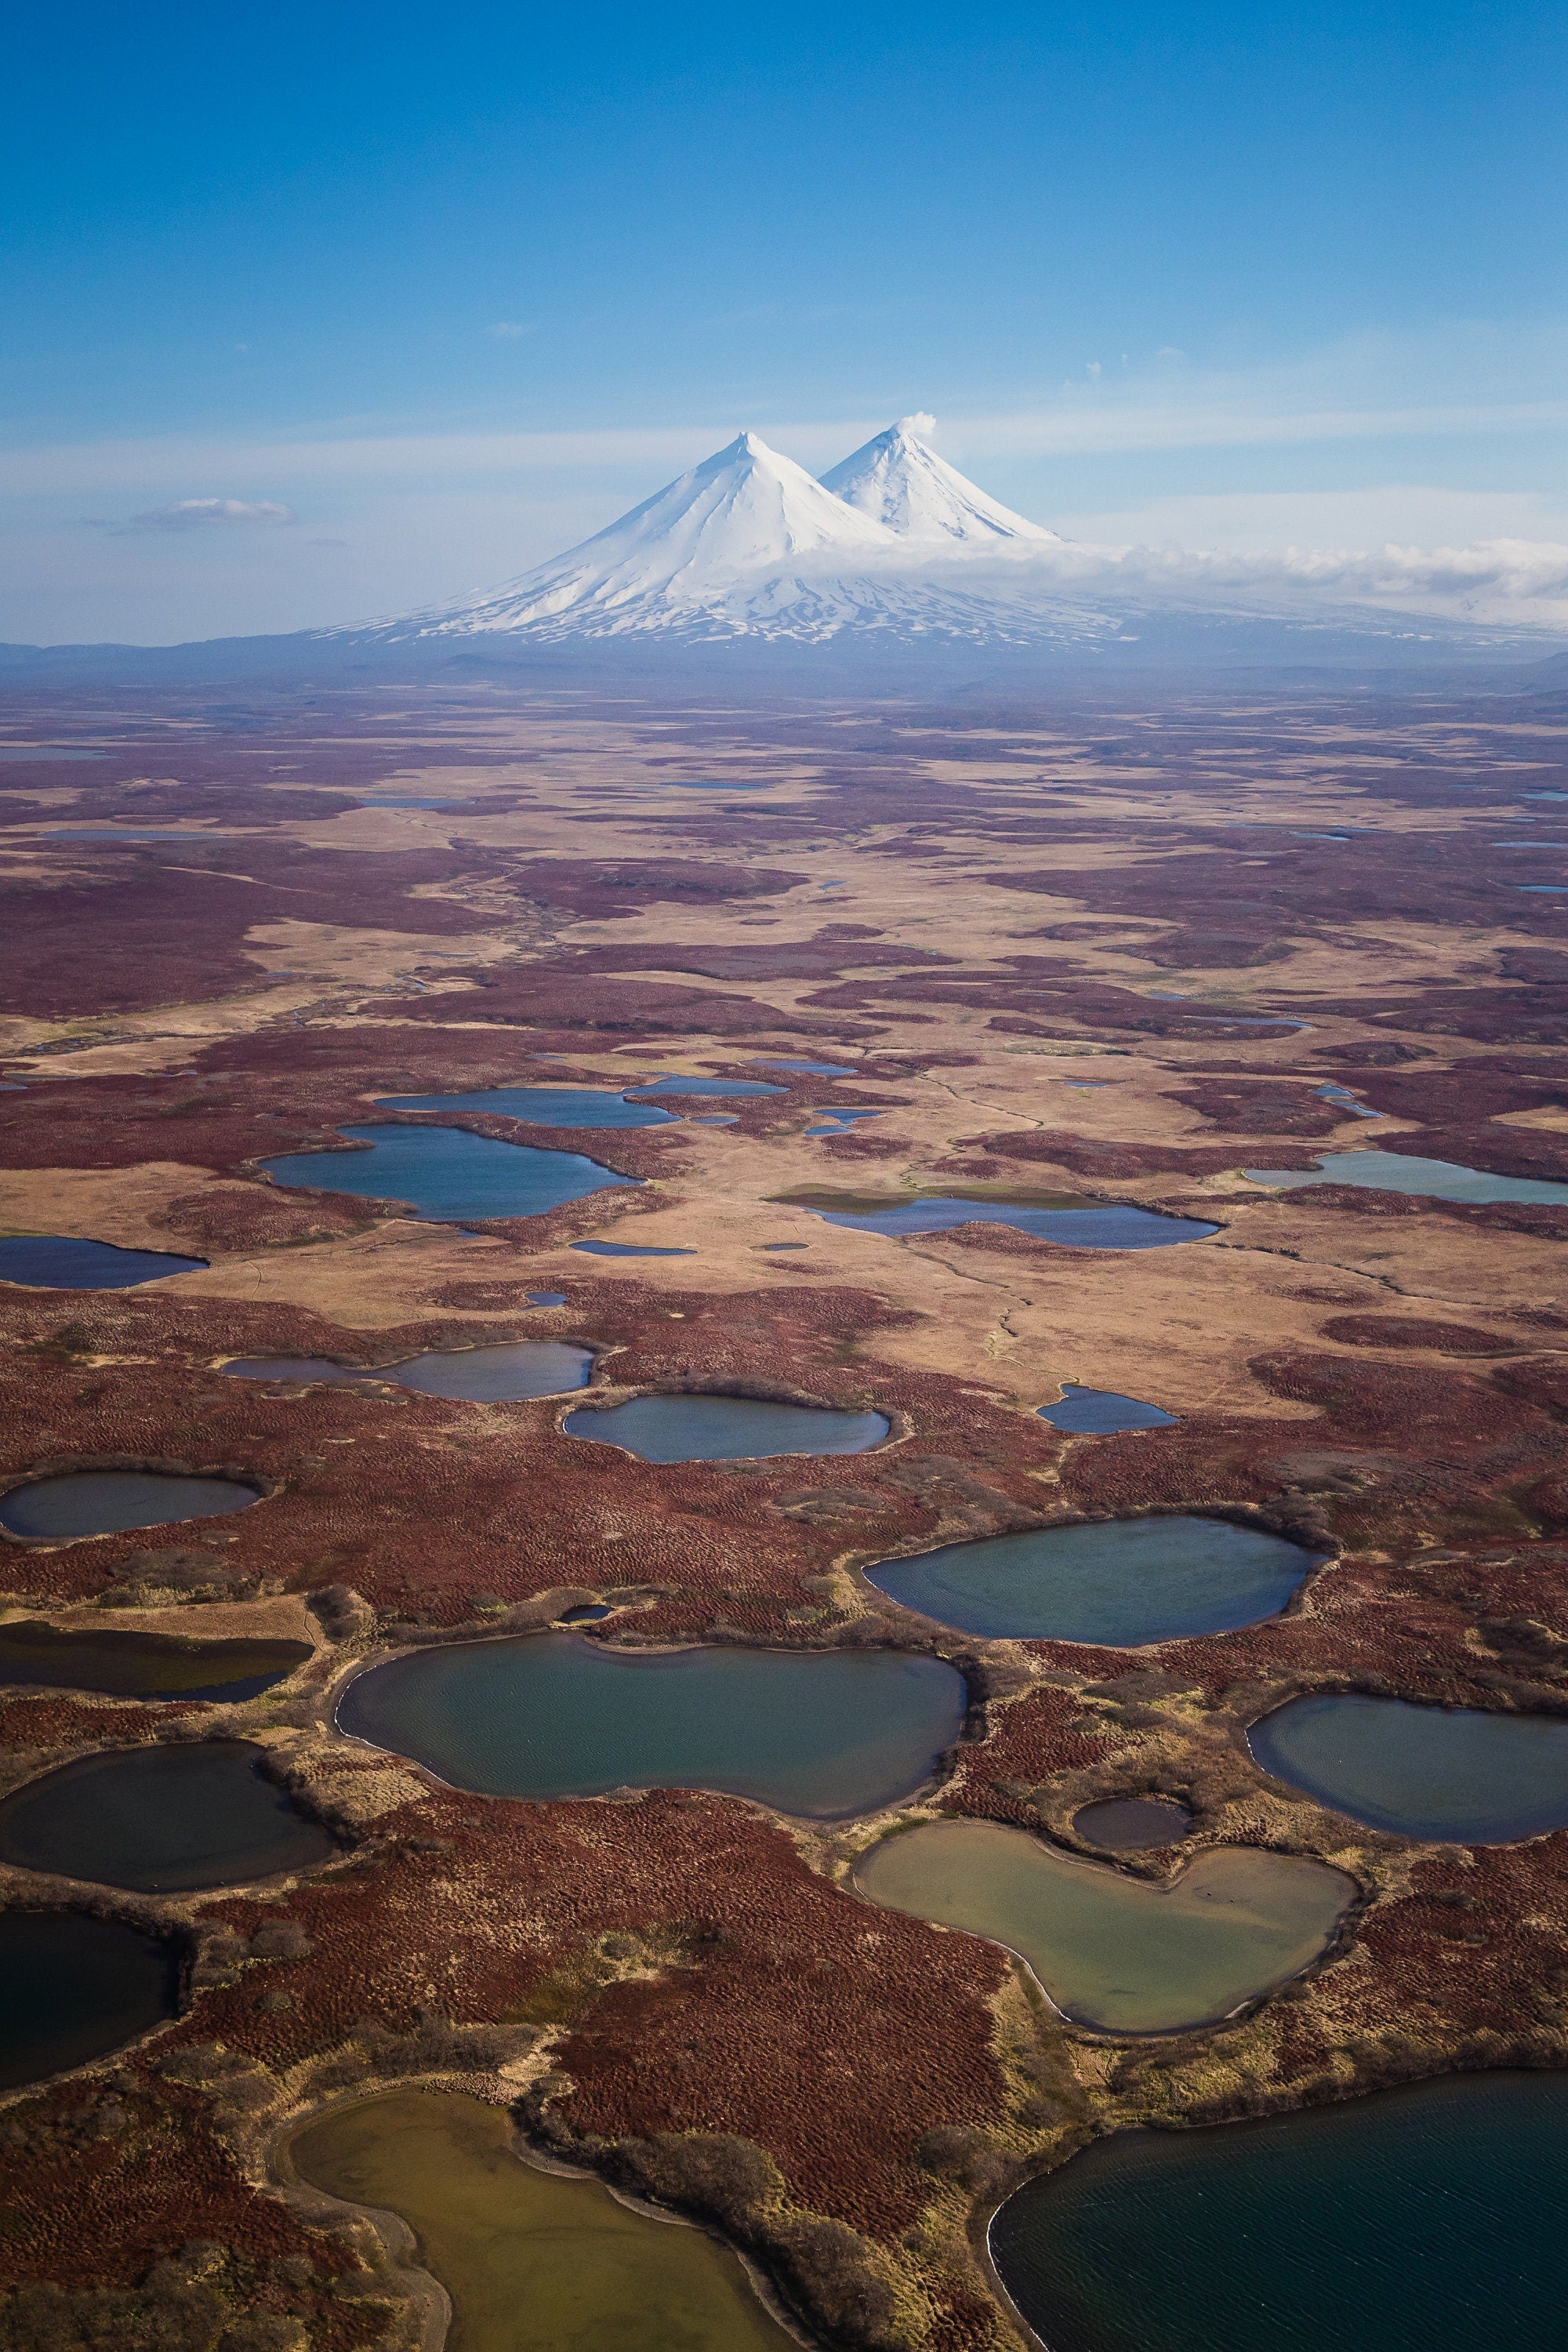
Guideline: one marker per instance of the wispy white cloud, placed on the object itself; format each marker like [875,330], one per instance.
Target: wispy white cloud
[198,514]
[508,330]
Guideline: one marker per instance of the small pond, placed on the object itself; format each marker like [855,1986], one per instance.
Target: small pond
[415,800]
[628,1249]
[808,1070]
[1113,1951]
[1398,1172]
[1132,1824]
[1101,1412]
[72,1988]
[144,1665]
[839,1120]
[724,1428]
[447,1173]
[1458,1774]
[1124,1581]
[192,835]
[511,1374]
[543,1106]
[9,752]
[533,2261]
[106,1502]
[725,1088]
[1079,1223]
[164,1820]
[1425,2219]
[819,1734]
[65,1262]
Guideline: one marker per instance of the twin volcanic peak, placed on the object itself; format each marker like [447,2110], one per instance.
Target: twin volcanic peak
[749,544]
[900,480]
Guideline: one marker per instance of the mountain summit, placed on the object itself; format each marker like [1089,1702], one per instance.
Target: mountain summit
[899,481]
[744,517]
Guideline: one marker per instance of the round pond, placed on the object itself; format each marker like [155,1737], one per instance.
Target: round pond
[108,1502]
[1459,1773]
[1132,1824]
[724,1428]
[1115,1952]
[1427,2219]
[72,1988]
[816,1732]
[163,1820]
[1122,1581]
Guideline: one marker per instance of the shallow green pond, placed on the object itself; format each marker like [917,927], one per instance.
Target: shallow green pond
[532,2261]
[1112,1950]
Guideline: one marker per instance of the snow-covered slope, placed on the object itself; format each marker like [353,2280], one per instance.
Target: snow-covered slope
[899,481]
[747,544]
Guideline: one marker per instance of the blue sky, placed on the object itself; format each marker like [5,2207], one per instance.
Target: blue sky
[450,290]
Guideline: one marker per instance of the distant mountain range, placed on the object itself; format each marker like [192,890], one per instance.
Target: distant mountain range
[892,573]
[749,544]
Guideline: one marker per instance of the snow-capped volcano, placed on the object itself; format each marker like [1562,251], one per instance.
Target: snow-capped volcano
[747,544]
[899,481]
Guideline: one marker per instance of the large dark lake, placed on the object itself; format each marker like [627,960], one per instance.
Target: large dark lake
[819,1734]
[1459,1773]
[724,1428]
[65,1262]
[446,1173]
[164,1819]
[1124,1581]
[1427,2219]
[106,1502]
[72,1988]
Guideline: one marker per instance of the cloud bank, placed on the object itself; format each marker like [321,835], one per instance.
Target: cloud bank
[196,514]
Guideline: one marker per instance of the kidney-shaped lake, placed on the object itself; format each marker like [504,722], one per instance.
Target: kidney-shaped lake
[819,1734]
[724,1428]
[1114,1951]
[511,1374]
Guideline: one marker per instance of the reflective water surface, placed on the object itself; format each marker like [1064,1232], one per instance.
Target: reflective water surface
[510,1374]
[1132,1824]
[1119,1581]
[144,1665]
[544,1106]
[1398,1172]
[1102,1224]
[533,2261]
[164,1819]
[1101,1413]
[724,1428]
[819,1733]
[66,1261]
[445,1173]
[72,1988]
[106,1502]
[1111,1951]
[1426,2220]
[1457,1772]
